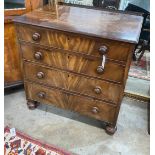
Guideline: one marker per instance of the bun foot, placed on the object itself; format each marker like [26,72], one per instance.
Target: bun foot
[32,104]
[110,130]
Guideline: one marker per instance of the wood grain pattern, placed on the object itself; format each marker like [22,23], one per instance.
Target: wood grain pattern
[73,82]
[88,67]
[85,106]
[52,96]
[12,67]
[61,55]
[12,62]
[81,65]
[73,43]
[71,102]
[96,23]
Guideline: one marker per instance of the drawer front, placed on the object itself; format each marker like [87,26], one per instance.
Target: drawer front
[72,82]
[84,105]
[42,94]
[75,63]
[93,108]
[112,72]
[54,57]
[72,42]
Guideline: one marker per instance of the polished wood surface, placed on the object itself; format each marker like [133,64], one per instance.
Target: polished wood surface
[12,67]
[68,67]
[12,62]
[89,68]
[82,65]
[82,44]
[73,82]
[96,23]
[70,101]
[120,54]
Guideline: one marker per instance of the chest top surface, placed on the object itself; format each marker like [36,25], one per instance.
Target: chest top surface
[95,23]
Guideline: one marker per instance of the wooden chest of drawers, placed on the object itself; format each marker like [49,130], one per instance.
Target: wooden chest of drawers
[77,59]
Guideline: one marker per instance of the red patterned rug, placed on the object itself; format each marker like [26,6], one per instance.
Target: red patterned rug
[21,144]
[142,69]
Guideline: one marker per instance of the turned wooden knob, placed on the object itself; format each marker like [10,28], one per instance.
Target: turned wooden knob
[36,36]
[98,90]
[38,56]
[95,110]
[100,69]
[41,95]
[40,75]
[103,49]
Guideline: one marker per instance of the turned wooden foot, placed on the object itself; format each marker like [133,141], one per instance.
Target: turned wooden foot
[110,129]
[32,104]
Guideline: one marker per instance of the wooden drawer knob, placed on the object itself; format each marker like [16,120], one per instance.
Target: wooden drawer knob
[42,95]
[100,69]
[40,75]
[38,55]
[95,110]
[36,36]
[103,49]
[98,90]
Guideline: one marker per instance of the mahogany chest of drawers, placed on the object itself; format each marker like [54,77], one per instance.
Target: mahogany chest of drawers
[77,58]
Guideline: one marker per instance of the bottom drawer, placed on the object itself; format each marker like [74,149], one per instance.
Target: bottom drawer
[81,104]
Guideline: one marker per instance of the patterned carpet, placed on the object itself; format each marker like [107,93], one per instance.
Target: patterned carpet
[142,69]
[17,143]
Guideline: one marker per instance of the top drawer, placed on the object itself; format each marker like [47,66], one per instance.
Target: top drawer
[68,41]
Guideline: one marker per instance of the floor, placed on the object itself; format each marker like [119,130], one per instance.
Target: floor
[138,86]
[80,134]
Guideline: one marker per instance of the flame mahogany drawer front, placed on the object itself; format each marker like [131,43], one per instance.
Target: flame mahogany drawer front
[84,105]
[79,65]
[96,47]
[76,63]
[80,84]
